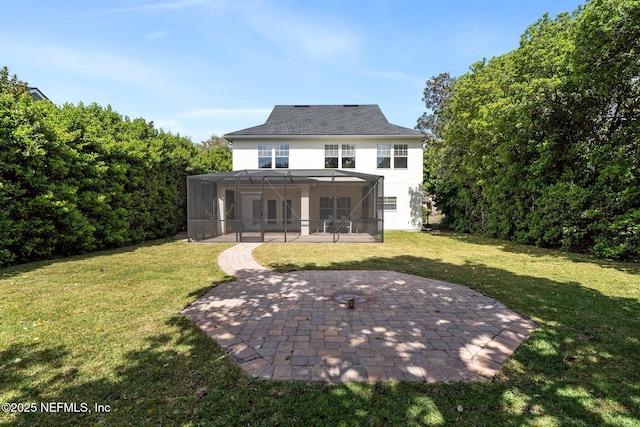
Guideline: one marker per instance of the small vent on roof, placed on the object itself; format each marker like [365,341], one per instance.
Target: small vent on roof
[301,106]
[351,105]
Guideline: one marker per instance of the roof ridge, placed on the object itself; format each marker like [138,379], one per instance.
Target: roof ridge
[326,119]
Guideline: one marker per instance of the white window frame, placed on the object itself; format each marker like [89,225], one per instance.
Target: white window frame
[389,203]
[332,151]
[400,151]
[348,151]
[337,153]
[273,152]
[265,152]
[280,151]
[392,152]
[383,151]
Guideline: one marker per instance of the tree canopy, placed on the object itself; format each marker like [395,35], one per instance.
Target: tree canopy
[78,178]
[215,154]
[542,144]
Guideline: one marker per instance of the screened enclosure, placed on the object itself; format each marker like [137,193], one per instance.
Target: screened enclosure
[324,205]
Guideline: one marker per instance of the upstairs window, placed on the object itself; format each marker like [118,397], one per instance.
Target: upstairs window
[348,156]
[400,153]
[392,156]
[270,156]
[331,156]
[343,156]
[282,156]
[264,156]
[384,156]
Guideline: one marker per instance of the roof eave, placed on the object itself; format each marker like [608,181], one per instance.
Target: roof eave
[341,137]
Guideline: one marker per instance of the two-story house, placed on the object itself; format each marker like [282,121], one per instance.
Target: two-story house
[313,172]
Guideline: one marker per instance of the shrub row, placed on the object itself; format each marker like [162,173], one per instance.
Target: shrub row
[82,178]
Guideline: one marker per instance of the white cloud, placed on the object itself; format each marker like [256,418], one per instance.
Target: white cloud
[318,38]
[178,4]
[156,35]
[212,6]
[99,64]
[321,42]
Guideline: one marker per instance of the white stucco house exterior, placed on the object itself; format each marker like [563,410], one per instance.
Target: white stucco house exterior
[359,167]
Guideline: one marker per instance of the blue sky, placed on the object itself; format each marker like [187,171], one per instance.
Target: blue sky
[199,67]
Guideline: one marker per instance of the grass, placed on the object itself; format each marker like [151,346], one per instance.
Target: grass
[106,328]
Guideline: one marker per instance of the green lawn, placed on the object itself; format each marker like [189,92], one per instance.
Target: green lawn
[106,328]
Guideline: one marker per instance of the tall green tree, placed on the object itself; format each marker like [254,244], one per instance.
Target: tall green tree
[607,77]
[540,145]
[437,98]
[11,84]
[215,155]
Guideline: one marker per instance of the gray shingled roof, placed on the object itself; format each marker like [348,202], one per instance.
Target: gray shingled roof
[326,120]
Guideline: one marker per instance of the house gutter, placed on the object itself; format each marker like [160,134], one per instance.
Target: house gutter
[320,137]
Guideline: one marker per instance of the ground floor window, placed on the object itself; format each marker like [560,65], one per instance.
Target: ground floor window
[272,214]
[388,203]
[343,207]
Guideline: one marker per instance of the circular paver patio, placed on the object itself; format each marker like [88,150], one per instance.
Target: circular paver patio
[290,326]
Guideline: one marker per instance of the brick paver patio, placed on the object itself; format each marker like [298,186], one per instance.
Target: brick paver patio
[290,326]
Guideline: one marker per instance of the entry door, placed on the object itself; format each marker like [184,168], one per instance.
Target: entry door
[251,213]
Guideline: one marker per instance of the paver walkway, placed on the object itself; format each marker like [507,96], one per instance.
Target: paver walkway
[290,326]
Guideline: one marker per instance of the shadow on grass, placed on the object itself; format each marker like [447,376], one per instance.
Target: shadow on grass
[579,368]
[13,270]
[516,248]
